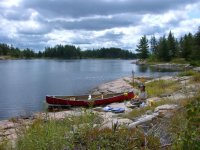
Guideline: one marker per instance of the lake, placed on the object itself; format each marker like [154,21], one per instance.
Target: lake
[25,83]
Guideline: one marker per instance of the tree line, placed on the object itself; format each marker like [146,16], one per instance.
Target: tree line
[66,52]
[6,50]
[169,47]
[108,53]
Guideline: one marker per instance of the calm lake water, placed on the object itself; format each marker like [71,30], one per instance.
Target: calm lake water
[25,83]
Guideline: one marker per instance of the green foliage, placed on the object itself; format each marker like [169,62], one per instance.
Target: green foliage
[108,53]
[142,48]
[186,46]
[192,136]
[5,144]
[41,135]
[114,139]
[6,50]
[71,52]
[172,45]
[81,132]
[55,134]
[163,50]
[186,126]
[63,51]
[166,49]
[195,63]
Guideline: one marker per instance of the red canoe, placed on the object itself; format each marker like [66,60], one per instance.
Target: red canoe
[83,100]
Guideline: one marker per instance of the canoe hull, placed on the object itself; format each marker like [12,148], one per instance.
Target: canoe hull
[53,100]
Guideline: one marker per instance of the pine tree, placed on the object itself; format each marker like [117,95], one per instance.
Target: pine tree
[187,46]
[163,50]
[142,48]
[171,41]
[196,48]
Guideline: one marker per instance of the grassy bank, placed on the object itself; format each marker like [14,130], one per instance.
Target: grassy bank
[81,132]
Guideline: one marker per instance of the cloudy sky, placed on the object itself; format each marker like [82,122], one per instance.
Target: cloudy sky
[89,24]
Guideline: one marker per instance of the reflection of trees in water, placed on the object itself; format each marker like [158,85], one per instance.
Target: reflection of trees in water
[143,68]
[154,69]
[146,68]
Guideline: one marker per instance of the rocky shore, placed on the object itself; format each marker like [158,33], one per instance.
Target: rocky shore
[172,66]
[9,128]
[167,66]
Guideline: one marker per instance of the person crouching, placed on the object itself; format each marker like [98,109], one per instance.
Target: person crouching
[141,98]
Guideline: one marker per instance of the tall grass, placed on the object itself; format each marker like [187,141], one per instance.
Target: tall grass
[81,132]
[187,73]
[184,126]
[54,134]
[196,78]
[160,87]
[5,144]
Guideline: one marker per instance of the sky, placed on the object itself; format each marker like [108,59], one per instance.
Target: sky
[92,24]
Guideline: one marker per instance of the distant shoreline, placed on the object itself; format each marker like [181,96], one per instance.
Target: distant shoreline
[48,58]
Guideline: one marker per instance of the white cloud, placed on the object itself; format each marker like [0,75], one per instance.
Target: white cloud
[9,3]
[116,25]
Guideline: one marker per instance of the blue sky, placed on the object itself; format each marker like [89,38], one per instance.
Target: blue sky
[90,24]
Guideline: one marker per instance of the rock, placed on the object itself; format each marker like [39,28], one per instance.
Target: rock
[152,99]
[62,114]
[166,107]
[98,108]
[6,124]
[178,96]
[171,66]
[141,62]
[143,119]
[197,69]
[184,78]
[116,86]
[117,121]
[166,110]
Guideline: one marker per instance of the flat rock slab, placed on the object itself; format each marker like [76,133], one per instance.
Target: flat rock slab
[116,121]
[180,95]
[155,99]
[166,107]
[143,119]
[6,124]
[197,69]
[117,86]
[60,114]
[172,66]
[166,110]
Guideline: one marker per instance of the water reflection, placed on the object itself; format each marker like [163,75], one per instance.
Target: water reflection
[143,68]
